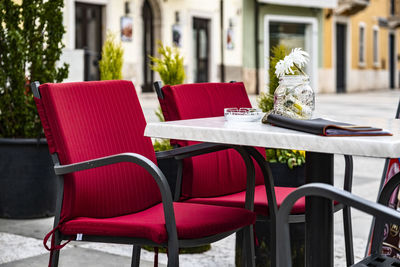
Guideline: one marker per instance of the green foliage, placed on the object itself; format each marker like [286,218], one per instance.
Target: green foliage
[30,46]
[266,103]
[162,145]
[292,158]
[171,70]
[194,250]
[159,114]
[112,59]
[278,53]
[169,66]
[266,100]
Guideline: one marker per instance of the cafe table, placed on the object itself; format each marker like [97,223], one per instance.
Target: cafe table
[320,152]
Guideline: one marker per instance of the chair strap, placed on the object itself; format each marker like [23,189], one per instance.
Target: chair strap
[52,247]
[255,236]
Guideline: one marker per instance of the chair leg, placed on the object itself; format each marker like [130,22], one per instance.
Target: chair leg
[135,256]
[273,232]
[249,246]
[348,235]
[55,254]
[241,235]
[348,231]
[173,254]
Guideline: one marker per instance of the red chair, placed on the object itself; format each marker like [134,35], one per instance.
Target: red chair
[216,178]
[110,188]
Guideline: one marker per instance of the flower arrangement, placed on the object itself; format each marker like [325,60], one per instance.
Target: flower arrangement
[293,98]
[296,59]
[280,64]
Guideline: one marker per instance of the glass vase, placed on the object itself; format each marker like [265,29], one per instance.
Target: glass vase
[294,97]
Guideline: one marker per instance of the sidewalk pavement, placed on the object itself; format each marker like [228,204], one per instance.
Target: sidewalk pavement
[21,240]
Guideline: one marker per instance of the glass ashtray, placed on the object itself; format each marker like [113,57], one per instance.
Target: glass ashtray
[243,114]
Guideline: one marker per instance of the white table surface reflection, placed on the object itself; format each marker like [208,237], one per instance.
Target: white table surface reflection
[218,130]
[319,159]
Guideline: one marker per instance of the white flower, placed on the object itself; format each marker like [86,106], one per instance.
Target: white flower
[297,58]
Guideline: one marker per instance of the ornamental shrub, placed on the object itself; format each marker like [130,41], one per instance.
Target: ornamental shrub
[112,59]
[266,100]
[30,46]
[169,66]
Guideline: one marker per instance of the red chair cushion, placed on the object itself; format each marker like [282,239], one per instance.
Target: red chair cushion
[260,200]
[218,173]
[192,221]
[88,120]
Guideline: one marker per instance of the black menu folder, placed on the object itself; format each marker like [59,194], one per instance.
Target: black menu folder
[325,127]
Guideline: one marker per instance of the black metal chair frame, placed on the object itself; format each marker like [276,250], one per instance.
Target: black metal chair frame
[272,205]
[379,210]
[174,243]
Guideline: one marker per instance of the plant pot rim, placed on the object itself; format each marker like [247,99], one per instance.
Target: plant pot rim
[23,141]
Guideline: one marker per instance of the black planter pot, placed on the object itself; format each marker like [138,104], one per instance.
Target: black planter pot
[170,169]
[284,177]
[27,180]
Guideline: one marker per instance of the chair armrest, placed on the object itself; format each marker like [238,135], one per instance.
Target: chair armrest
[142,161]
[329,192]
[204,148]
[191,151]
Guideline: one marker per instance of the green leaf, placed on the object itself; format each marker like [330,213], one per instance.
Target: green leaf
[112,59]
[30,46]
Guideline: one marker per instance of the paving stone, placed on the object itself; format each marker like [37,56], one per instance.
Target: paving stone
[14,247]
[78,257]
[21,240]
[37,228]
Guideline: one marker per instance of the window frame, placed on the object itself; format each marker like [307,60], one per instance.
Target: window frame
[362,45]
[375,45]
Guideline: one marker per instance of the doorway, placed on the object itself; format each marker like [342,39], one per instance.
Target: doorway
[201,49]
[392,56]
[341,31]
[88,36]
[148,46]
[292,31]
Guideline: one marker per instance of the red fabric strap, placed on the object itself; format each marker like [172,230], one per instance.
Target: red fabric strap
[52,246]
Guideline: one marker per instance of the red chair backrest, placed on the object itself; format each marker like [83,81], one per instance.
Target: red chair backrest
[88,120]
[213,174]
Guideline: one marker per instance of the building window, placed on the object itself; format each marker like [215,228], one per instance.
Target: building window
[361,45]
[376,46]
[392,7]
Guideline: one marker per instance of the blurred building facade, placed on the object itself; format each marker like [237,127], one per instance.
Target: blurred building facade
[291,23]
[208,34]
[353,44]
[361,46]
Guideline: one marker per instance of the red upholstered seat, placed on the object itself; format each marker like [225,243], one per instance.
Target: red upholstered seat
[217,178]
[260,200]
[192,221]
[84,121]
[91,120]
[218,173]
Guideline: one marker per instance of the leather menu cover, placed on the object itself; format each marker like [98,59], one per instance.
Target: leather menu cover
[324,127]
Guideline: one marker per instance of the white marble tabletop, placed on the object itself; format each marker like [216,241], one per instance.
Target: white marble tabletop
[218,130]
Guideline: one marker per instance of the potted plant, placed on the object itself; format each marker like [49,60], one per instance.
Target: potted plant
[30,46]
[287,166]
[171,70]
[288,170]
[112,59]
